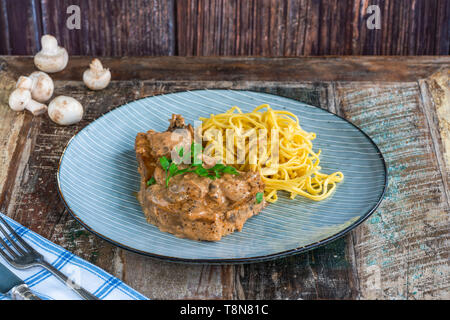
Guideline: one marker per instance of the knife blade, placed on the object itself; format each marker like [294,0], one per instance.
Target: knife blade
[13,286]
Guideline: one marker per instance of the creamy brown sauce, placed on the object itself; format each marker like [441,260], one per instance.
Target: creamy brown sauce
[191,206]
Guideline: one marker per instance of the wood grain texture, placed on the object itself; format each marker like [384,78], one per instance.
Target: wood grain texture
[20,27]
[228,27]
[310,27]
[113,28]
[10,127]
[437,91]
[108,28]
[400,252]
[310,69]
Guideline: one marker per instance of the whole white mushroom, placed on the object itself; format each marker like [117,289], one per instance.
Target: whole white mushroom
[96,77]
[42,87]
[52,58]
[20,99]
[65,110]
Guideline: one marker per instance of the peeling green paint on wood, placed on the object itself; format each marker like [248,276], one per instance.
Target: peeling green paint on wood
[415,209]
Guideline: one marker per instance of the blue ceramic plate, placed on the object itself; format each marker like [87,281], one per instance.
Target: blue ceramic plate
[98,178]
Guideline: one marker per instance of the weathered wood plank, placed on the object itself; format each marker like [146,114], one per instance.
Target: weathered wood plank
[402,250]
[309,27]
[373,69]
[20,27]
[113,28]
[4,30]
[324,273]
[165,280]
[10,127]
[435,117]
[238,27]
[436,90]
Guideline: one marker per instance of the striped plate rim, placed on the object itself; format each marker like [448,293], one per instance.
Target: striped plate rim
[260,258]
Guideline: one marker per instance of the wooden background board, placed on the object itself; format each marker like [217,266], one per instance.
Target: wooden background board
[400,252]
[228,27]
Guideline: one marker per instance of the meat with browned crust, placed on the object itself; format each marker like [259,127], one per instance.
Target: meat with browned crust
[192,206]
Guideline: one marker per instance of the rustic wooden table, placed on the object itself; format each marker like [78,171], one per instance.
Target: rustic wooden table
[403,103]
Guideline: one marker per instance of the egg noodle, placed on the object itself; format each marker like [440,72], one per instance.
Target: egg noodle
[291,165]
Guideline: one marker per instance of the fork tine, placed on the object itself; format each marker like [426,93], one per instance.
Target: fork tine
[6,257]
[13,243]
[7,248]
[19,238]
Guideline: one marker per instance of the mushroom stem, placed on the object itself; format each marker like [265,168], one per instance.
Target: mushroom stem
[96,66]
[49,44]
[36,108]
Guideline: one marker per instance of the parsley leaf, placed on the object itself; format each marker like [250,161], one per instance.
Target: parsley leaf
[196,149]
[230,170]
[164,163]
[173,168]
[196,167]
[259,197]
[218,166]
[202,172]
[151,181]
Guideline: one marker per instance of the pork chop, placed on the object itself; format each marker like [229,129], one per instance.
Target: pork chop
[192,206]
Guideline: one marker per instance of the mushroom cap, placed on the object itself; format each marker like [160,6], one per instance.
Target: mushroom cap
[96,77]
[43,87]
[96,81]
[24,83]
[51,58]
[19,99]
[52,63]
[65,110]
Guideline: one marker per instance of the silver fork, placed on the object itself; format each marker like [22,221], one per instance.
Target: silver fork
[24,256]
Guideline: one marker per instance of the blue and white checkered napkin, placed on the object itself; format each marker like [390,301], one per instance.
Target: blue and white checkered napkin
[46,286]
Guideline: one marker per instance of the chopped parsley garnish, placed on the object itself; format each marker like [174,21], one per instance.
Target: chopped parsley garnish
[165,163]
[259,197]
[151,181]
[180,152]
[196,167]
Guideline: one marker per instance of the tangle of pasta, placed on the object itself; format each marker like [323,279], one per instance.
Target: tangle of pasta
[297,171]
